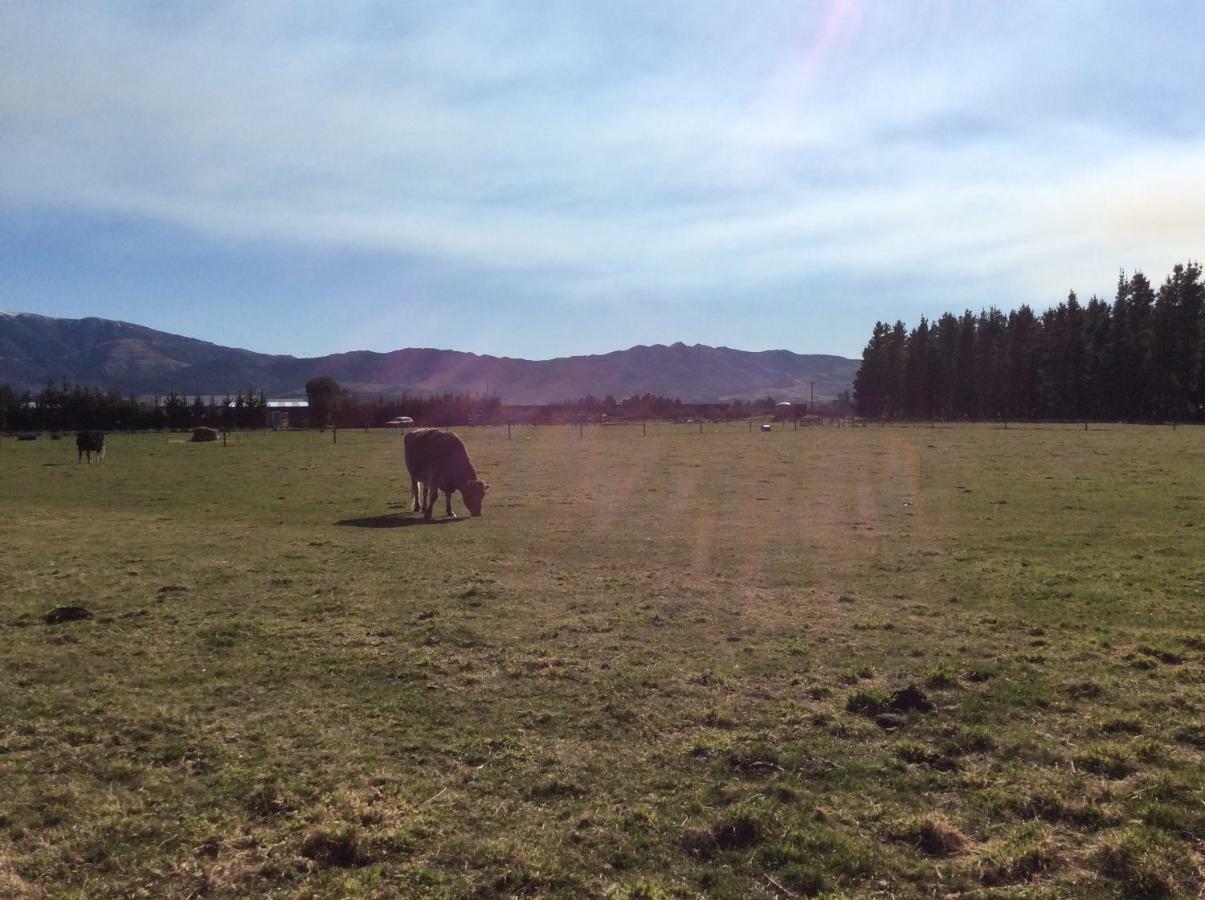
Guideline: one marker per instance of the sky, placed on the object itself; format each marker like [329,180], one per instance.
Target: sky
[546,179]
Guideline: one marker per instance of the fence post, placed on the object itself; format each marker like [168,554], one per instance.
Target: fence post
[223,437]
[750,423]
[334,434]
[644,429]
[580,429]
[508,431]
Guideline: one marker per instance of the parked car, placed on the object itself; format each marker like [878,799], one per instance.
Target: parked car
[400,422]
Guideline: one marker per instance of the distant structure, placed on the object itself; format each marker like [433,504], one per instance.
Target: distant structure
[281,409]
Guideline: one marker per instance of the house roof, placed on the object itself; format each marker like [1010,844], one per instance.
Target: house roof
[279,404]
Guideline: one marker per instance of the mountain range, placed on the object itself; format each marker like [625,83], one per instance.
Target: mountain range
[134,359]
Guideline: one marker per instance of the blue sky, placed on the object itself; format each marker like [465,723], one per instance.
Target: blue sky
[542,179]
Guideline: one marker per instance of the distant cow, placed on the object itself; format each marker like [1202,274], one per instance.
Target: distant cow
[438,461]
[90,442]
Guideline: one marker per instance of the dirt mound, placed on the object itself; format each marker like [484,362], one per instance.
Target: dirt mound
[753,764]
[909,699]
[335,848]
[737,833]
[934,837]
[62,614]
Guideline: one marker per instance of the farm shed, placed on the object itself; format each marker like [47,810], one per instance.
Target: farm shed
[281,410]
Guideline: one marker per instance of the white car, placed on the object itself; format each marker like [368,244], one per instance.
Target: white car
[400,422]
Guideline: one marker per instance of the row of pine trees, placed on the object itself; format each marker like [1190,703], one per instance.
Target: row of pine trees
[1139,358]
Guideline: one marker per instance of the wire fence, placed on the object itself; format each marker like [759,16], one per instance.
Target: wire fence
[584,430]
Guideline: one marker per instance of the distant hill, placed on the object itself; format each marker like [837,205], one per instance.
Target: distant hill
[140,360]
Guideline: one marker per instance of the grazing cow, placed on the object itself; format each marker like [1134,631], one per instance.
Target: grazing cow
[90,442]
[438,461]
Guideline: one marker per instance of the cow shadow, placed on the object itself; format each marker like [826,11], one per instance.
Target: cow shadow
[394,520]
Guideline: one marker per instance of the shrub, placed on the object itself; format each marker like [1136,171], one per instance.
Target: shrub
[869,701]
[941,678]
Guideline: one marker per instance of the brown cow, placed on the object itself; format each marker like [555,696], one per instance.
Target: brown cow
[438,461]
[90,442]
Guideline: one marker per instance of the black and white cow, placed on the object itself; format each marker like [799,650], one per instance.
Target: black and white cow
[90,442]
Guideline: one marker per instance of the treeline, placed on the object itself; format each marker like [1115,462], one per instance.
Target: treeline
[436,410]
[648,407]
[66,407]
[1139,358]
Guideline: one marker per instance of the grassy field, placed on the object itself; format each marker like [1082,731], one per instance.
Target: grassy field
[661,666]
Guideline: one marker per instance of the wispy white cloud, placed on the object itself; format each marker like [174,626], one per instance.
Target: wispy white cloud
[609,152]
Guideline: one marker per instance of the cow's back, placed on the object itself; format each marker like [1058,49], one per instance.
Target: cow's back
[430,451]
[420,449]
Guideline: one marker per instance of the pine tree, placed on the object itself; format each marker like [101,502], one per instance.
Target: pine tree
[1141,327]
[945,352]
[918,402]
[966,396]
[894,370]
[1099,398]
[990,351]
[870,379]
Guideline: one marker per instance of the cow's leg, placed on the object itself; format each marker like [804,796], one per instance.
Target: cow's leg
[413,494]
[100,454]
[448,497]
[429,501]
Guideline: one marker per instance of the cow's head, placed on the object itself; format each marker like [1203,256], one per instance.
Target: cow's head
[473,493]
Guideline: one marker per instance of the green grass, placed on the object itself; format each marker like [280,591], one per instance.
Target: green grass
[650,670]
